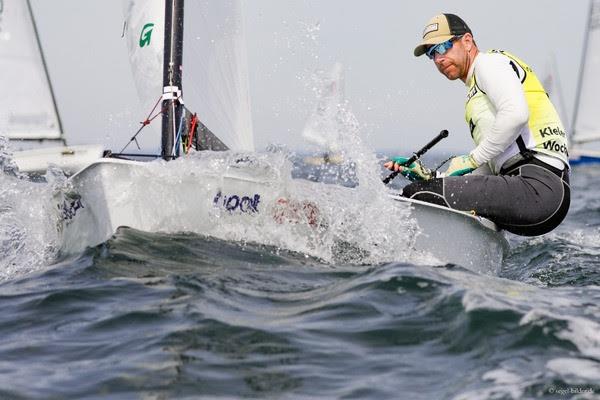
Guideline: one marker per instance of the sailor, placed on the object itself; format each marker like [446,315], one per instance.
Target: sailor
[518,173]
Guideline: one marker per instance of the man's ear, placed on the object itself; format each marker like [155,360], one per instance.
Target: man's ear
[468,41]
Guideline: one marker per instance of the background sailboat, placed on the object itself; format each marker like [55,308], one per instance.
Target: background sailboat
[28,112]
[585,133]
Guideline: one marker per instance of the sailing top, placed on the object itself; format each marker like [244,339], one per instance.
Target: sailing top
[510,115]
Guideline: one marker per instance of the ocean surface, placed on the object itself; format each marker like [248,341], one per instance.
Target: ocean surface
[185,316]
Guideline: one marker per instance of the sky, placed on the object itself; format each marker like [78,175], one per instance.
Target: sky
[399,100]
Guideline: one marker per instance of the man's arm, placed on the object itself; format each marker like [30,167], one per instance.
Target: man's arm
[497,78]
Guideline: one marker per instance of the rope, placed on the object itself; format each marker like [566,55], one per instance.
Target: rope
[150,118]
[190,140]
[442,163]
[144,123]
[178,136]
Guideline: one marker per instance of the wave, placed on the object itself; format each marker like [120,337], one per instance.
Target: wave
[28,236]
[254,319]
[158,313]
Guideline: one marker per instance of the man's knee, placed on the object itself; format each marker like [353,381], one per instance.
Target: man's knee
[431,191]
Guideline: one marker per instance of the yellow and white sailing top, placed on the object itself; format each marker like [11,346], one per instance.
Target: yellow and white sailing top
[506,103]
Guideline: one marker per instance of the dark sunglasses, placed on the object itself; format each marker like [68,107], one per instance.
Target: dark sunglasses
[441,48]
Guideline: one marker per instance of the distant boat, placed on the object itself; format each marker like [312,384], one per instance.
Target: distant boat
[324,159]
[28,114]
[585,132]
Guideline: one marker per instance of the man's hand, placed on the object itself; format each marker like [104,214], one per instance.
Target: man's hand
[414,172]
[461,165]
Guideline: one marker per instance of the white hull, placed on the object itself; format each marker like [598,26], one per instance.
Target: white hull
[581,155]
[68,158]
[457,237]
[112,193]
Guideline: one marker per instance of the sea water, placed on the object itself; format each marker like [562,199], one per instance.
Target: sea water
[160,316]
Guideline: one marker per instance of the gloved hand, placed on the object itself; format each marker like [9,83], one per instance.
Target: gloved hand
[461,165]
[414,172]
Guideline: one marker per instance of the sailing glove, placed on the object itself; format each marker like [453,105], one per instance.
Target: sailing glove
[414,172]
[461,165]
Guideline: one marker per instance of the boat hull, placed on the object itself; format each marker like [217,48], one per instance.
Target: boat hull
[68,158]
[581,157]
[110,194]
[457,237]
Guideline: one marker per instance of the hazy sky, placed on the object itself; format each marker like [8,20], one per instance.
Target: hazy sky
[400,101]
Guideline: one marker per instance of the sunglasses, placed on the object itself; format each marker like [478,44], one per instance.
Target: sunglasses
[441,48]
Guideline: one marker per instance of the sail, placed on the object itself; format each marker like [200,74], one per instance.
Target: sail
[144,33]
[27,108]
[214,68]
[322,127]
[551,82]
[586,124]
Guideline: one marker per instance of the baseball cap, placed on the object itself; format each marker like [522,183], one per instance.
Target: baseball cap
[440,28]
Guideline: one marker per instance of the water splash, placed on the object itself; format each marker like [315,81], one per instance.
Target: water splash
[334,223]
[28,238]
[7,164]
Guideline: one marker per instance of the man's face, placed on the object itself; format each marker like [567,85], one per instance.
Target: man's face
[453,63]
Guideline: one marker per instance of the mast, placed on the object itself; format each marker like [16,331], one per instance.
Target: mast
[582,71]
[173,55]
[37,39]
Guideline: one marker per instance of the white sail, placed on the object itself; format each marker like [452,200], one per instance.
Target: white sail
[586,124]
[27,109]
[144,32]
[215,71]
[323,127]
[552,84]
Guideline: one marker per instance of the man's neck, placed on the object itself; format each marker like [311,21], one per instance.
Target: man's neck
[470,60]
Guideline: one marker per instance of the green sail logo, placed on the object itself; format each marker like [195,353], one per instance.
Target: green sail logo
[146,34]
